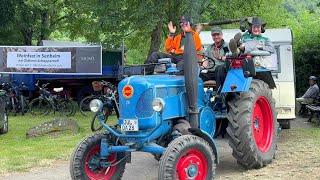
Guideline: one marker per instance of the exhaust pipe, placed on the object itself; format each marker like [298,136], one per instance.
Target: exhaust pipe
[191,79]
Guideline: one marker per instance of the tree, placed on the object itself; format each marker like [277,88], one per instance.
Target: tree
[33,20]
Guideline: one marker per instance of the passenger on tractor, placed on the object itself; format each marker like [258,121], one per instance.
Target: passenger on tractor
[252,40]
[312,92]
[174,45]
[217,51]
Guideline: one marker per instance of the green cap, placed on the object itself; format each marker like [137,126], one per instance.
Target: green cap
[216,30]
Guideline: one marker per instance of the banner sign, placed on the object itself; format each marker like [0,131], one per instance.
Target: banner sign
[51,60]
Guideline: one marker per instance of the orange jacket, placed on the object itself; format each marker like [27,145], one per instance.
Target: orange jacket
[172,44]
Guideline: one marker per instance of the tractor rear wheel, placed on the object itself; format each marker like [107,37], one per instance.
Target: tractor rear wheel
[253,126]
[187,157]
[86,163]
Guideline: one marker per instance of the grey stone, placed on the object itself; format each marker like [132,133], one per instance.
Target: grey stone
[53,127]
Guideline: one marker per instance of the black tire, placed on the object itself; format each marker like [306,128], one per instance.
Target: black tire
[79,168]
[180,148]
[66,107]
[5,126]
[95,124]
[243,132]
[84,105]
[39,106]
[3,118]
[285,123]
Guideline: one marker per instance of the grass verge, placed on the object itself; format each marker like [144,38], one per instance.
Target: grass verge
[17,153]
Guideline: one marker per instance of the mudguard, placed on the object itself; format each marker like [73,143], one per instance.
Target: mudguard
[236,81]
[208,138]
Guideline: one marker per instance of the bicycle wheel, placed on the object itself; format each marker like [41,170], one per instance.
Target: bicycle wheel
[39,106]
[66,107]
[84,105]
[14,105]
[95,124]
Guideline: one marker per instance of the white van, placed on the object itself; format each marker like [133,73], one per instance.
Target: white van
[283,73]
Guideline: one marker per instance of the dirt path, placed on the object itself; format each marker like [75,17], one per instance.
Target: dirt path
[297,158]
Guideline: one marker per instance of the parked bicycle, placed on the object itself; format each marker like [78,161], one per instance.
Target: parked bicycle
[110,106]
[105,90]
[47,102]
[16,97]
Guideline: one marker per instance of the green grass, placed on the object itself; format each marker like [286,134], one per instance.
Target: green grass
[17,153]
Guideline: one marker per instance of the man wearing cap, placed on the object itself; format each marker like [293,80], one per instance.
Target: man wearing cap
[217,51]
[252,40]
[311,93]
[174,45]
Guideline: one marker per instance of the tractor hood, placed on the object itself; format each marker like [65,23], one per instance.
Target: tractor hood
[136,94]
[146,82]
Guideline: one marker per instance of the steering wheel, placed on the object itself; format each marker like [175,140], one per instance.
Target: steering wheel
[206,62]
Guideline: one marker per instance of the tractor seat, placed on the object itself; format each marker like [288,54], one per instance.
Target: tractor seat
[209,84]
[57,90]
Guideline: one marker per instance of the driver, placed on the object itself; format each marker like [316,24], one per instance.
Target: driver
[251,40]
[174,45]
[217,51]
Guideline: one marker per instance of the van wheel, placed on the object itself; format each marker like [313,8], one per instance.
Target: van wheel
[285,123]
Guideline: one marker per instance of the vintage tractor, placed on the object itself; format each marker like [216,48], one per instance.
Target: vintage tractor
[172,117]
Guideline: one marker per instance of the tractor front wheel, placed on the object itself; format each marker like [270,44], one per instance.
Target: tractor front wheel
[187,157]
[86,162]
[253,126]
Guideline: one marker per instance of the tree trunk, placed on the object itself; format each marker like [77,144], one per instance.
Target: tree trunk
[27,36]
[44,28]
[156,37]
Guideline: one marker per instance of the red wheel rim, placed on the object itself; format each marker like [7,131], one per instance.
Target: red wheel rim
[99,173]
[262,124]
[192,165]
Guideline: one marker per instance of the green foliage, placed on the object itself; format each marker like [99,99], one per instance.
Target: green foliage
[142,25]
[20,154]
[305,23]
[30,21]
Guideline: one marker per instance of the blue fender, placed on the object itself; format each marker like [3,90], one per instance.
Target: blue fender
[236,82]
[208,138]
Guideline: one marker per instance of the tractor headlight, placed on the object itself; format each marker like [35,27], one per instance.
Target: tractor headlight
[158,104]
[95,105]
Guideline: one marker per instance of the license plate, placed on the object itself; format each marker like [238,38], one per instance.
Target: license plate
[130,125]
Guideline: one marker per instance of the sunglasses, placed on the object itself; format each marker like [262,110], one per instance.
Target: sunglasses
[185,23]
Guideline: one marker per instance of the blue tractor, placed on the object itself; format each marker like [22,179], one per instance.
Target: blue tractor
[173,117]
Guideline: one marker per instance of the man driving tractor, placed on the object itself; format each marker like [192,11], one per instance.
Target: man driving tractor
[217,51]
[174,45]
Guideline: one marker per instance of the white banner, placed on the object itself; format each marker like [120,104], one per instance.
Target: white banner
[52,60]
